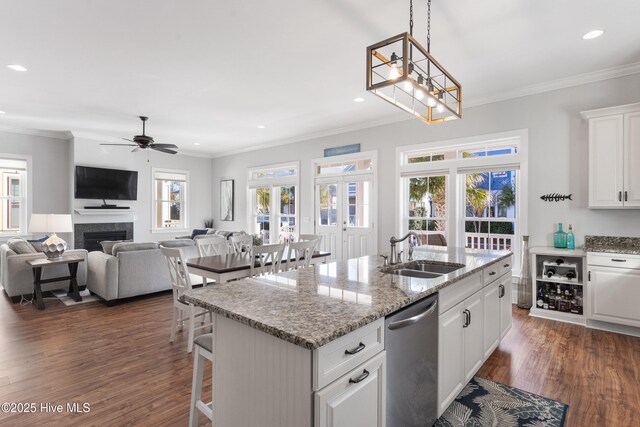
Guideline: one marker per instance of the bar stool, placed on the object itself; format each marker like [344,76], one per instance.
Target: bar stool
[203,350]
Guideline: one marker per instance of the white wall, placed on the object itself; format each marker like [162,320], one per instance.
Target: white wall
[89,153]
[557,159]
[50,163]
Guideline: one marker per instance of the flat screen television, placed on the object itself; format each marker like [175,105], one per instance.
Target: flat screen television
[105,184]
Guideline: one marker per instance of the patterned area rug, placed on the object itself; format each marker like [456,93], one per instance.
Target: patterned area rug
[486,403]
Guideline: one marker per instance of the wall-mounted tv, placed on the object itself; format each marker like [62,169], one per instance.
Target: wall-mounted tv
[105,184]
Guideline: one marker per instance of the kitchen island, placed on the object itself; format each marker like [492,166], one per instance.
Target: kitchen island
[291,349]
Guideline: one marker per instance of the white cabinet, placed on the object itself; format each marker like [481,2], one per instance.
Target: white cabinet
[475,314]
[450,356]
[461,350]
[505,305]
[355,400]
[492,313]
[614,288]
[614,150]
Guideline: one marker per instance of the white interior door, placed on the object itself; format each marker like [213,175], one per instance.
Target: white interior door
[344,216]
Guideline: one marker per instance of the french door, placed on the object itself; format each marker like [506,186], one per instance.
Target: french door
[344,215]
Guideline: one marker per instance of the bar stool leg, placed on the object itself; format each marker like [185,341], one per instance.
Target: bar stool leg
[196,388]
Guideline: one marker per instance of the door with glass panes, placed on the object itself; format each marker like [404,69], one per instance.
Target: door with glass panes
[344,216]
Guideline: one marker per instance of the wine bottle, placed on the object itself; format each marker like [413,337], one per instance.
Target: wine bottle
[560,260]
[551,271]
[571,275]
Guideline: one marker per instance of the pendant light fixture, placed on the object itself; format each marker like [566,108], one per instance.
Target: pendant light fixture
[402,72]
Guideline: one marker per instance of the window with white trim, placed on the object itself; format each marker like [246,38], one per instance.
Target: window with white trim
[468,192]
[13,180]
[169,200]
[273,202]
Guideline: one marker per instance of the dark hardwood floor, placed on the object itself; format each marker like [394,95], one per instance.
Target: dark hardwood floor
[118,359]
[596,373]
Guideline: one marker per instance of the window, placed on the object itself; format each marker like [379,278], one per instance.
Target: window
[273,202]
[13,176]
[170,200]
[427,208]
[349,166]
[469,192]
[490,217]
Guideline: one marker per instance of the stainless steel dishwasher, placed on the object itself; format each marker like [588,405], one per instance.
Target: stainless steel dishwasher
[411,343]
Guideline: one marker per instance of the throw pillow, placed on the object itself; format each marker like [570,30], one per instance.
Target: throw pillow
[37,243]
[198,232]
[20,246]
[107,245]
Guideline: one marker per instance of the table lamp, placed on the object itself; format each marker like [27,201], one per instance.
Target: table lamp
[54,246]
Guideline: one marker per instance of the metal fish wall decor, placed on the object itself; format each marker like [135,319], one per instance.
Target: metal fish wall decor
[555,197]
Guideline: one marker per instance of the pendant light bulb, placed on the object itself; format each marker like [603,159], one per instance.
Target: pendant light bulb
[419,94]
[407,86]
[440,108]
[431,102]
[393,71]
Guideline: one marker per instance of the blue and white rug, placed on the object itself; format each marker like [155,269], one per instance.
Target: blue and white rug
[485,403]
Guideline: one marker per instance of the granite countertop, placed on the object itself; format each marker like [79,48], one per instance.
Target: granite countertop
[616,245]
[313,306]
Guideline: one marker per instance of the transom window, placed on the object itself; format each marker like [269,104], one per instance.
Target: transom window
[170,199]
[495,148]
[348,166]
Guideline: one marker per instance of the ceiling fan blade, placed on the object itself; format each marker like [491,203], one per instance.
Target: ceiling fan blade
[169,146]
[123,145]
[135,149]
[127,139]
[163,150]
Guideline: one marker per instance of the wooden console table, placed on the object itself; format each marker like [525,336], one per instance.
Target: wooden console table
[37,264]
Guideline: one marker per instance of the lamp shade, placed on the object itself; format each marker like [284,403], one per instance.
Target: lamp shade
[50,223]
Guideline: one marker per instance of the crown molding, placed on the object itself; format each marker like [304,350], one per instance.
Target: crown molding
[575,80]
[55,134]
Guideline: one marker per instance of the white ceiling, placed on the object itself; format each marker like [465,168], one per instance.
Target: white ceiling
[210,71]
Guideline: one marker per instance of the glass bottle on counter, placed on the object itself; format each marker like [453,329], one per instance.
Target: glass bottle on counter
[560,238]
[571,239]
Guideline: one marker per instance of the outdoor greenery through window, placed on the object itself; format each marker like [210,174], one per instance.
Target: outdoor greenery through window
[490,210]
[273,203]
[12,196]
[169,200]
[428,209]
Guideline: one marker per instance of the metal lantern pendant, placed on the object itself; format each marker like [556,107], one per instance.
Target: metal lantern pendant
[402,72]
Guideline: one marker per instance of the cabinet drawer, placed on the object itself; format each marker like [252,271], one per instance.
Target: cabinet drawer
[613,260]
[492,272]
[456,292]
[340,356]
[505,266]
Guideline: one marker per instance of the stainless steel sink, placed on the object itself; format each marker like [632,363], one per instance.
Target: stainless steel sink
[413,273]
[433,268]
[423,269]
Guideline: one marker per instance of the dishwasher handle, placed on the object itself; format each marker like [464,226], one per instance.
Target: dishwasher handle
[415,319]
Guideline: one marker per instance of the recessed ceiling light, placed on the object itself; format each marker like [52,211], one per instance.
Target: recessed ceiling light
[2,112]
[196,143]
[261,126]
[358,99]
[16,67]
[593,34]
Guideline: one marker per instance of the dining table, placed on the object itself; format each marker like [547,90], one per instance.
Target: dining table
[223,268]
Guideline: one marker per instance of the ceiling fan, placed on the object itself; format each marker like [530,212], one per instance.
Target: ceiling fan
[143,141]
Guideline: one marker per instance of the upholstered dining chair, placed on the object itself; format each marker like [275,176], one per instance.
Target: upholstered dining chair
[242,243]
[299,254]
[317,238]
[268,258]
[180,283]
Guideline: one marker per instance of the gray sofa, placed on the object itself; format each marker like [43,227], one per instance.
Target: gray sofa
[132,269]
[16,276]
